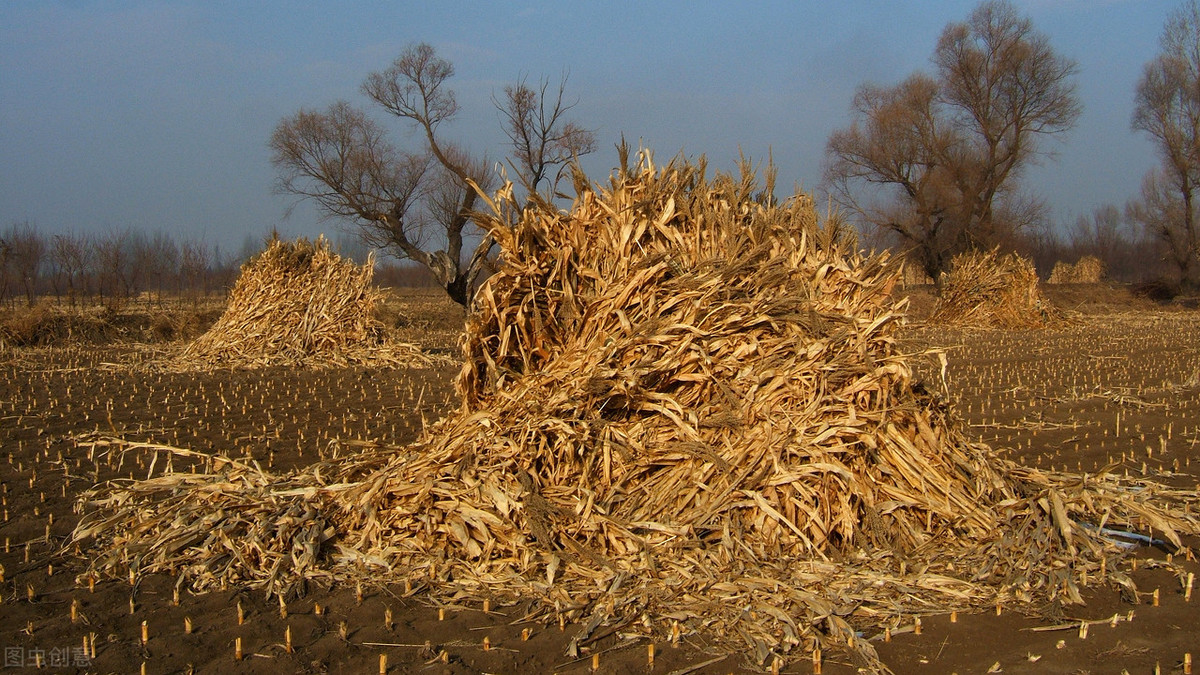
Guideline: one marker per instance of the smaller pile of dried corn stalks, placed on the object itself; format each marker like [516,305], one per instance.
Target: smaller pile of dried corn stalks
[682,405]
[986,290]
[914,275]
[1087,270]
[299,303]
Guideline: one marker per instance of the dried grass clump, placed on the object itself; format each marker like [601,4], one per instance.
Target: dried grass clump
[986,290]
[28,326]
[1087,270]
[299,303]
[44,325]
[681,404]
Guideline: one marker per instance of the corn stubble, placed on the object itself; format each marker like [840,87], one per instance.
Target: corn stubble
[682,405]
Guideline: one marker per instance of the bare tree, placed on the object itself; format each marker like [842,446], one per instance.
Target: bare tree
[1163,213]
[195,262]
[1104,234]
[6,268]
[158,257]
[1100,234]
[115,271]
[1167,108]
[937,159]
[416,205]
[72,255]
[892,168]
[139,265]
[541,139]
[25,254]
[1042,244]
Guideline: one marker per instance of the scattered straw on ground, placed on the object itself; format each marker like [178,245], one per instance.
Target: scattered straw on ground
[986,290]
[299,303]
[682,406]
[1087,270]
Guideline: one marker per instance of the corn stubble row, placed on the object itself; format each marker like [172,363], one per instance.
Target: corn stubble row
[682,403]
[299,304]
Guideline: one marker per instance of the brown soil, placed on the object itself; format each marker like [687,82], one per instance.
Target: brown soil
[1052,398]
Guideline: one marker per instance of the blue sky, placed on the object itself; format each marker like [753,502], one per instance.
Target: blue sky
[156,115]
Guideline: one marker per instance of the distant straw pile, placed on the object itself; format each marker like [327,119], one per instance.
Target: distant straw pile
[914,275]
[681,404]
[1087,270]
[299,303]
[985,290]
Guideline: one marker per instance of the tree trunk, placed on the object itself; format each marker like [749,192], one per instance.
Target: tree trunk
[459,289]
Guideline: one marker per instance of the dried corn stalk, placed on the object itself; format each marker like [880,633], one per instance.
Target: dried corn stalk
[1087,270]
[299,303]
[986,290]
[914,275]
[680,404]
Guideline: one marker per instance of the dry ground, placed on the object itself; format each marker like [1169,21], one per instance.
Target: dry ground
[1120,385]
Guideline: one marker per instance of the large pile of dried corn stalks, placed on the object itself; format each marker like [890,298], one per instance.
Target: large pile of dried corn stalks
[987,290]
[1087,270]
[299,303]
[682,403]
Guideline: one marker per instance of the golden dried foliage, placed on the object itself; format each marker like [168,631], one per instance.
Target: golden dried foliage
[914,275]
[986,290]
[299,303]
[1087,270]
[680,404]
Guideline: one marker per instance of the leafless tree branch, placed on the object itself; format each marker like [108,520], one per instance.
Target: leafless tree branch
[412,202]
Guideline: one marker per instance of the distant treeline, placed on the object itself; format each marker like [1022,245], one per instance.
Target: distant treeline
[116,267]
[1130,254]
